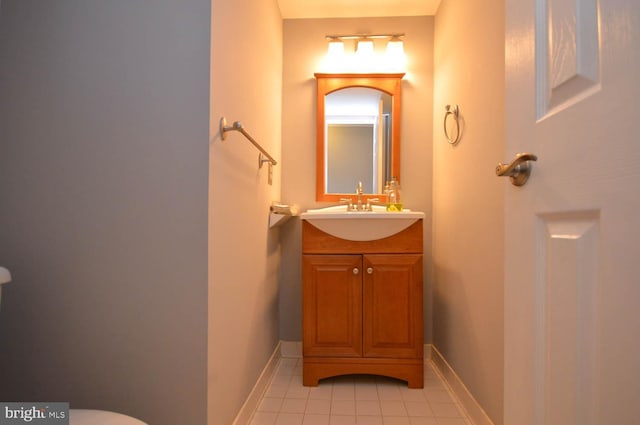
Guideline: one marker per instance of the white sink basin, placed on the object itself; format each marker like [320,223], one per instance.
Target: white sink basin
[361,225]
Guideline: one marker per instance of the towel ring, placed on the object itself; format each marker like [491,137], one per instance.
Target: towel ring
[452,110]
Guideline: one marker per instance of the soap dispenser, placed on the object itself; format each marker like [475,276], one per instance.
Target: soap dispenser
[394,202]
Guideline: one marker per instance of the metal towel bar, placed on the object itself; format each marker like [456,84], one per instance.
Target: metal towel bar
[264,155]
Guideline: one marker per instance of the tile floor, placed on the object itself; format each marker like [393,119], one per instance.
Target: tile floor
[356,400]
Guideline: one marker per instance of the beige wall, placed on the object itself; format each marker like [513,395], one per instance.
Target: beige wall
[304,48]
[103,217]
[244,255]
[468,198]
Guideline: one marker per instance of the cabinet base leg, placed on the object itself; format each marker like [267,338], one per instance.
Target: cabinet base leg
[409,370]
[309,380]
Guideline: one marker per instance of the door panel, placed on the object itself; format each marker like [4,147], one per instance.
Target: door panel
[567,53]
[332,305]
[567,322]
[392,306]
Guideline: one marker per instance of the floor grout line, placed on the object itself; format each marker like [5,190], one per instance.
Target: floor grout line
[356,400]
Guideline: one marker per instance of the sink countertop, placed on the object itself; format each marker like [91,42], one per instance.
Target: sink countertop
[340,211]
[361,225]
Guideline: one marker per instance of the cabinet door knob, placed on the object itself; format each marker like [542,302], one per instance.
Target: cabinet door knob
[355,270]
[370,270]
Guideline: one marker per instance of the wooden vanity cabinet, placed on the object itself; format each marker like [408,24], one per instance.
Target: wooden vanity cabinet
[362,306]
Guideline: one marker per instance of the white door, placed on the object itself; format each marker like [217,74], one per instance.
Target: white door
[572,288]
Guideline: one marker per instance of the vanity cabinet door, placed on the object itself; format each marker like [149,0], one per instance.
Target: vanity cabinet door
[332,305]
[392,306]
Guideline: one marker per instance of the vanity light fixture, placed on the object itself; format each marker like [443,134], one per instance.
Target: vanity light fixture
[394,39]
[365,58]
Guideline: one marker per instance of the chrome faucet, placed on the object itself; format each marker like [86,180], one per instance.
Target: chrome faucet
[363,204]
[360,204]
[359,191]
[357,206]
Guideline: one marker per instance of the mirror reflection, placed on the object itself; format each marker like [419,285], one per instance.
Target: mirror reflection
[358,139]
[358,133]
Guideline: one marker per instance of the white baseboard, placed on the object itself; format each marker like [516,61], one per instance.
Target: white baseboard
[251,404]
[474,411]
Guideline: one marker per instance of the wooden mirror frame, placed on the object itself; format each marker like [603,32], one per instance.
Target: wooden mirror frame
[328,83]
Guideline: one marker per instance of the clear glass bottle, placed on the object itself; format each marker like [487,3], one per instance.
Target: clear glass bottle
[386,193]
[394,201]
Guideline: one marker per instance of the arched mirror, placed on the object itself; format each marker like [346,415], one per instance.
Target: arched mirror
[358,134]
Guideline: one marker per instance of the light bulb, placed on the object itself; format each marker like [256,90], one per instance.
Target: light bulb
[365,48]
[335,57]
[365,60]
[395,56]
[336,49]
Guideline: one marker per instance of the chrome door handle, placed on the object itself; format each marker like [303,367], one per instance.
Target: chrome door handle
[519,170]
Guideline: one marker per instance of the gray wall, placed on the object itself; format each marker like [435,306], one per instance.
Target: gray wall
[103,214]
[349,157]
[304,48]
